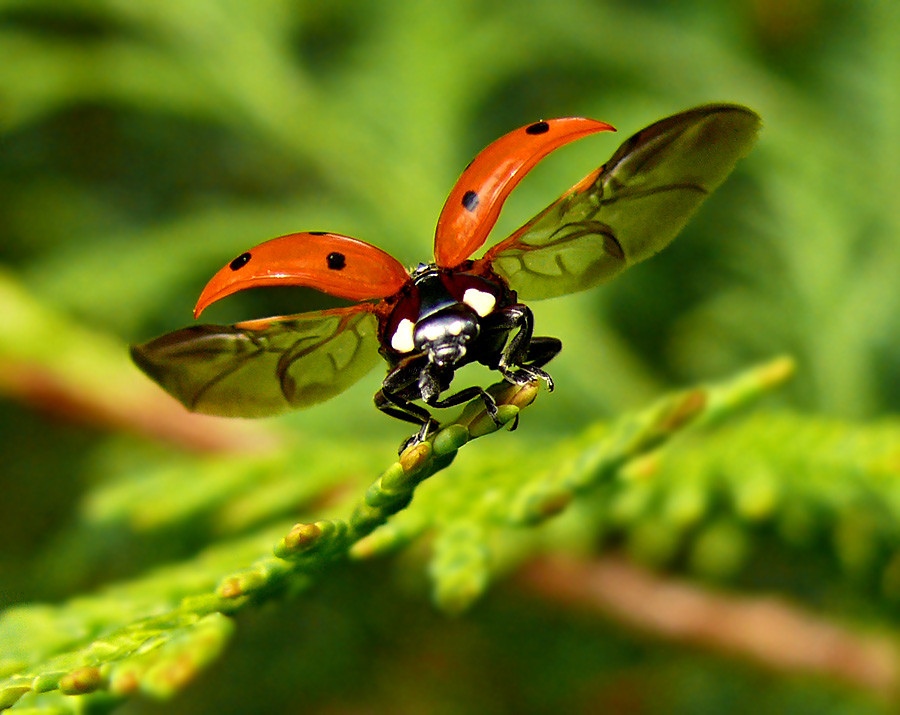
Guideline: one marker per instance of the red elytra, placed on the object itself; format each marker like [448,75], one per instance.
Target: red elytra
[430,321]
[491,177]
[301,259]
[369,272]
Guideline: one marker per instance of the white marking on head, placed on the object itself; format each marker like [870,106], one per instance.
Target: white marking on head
[480,301]
[431,331]
[402,339]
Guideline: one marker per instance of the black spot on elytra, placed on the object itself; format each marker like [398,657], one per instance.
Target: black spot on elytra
[317,233]
[470,201]
[537,128]
[240,261]
[336,261]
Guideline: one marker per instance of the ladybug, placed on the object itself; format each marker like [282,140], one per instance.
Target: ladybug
[433,319]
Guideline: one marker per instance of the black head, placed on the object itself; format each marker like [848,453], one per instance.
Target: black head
[445,335]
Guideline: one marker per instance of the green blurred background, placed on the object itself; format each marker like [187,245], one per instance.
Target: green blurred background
[144,144]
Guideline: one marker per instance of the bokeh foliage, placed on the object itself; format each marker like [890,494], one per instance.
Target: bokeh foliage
[144,144]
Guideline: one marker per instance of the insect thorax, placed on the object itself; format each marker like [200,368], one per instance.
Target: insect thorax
[440,313]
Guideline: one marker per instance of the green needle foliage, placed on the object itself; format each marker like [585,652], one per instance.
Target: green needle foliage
[153,633]
[636,545]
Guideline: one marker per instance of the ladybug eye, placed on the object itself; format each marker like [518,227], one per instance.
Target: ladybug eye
[239,262]
[336,261]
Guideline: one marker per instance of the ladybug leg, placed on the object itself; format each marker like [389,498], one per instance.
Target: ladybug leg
[523,356]
[541,351]
[411,379]
[433,379]
[403,409]
[469,393]
[400,387]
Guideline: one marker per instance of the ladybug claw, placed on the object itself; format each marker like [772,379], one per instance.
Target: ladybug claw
[490,406]
[423,434]
[526,374]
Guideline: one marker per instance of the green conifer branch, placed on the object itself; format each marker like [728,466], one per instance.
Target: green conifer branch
[524,489]
[120,651]
[153,634]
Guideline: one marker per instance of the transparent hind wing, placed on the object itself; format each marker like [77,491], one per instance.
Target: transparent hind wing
[263,367]
[628,209]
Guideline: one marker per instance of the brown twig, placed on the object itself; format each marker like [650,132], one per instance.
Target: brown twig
[144,410]
[766,630]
